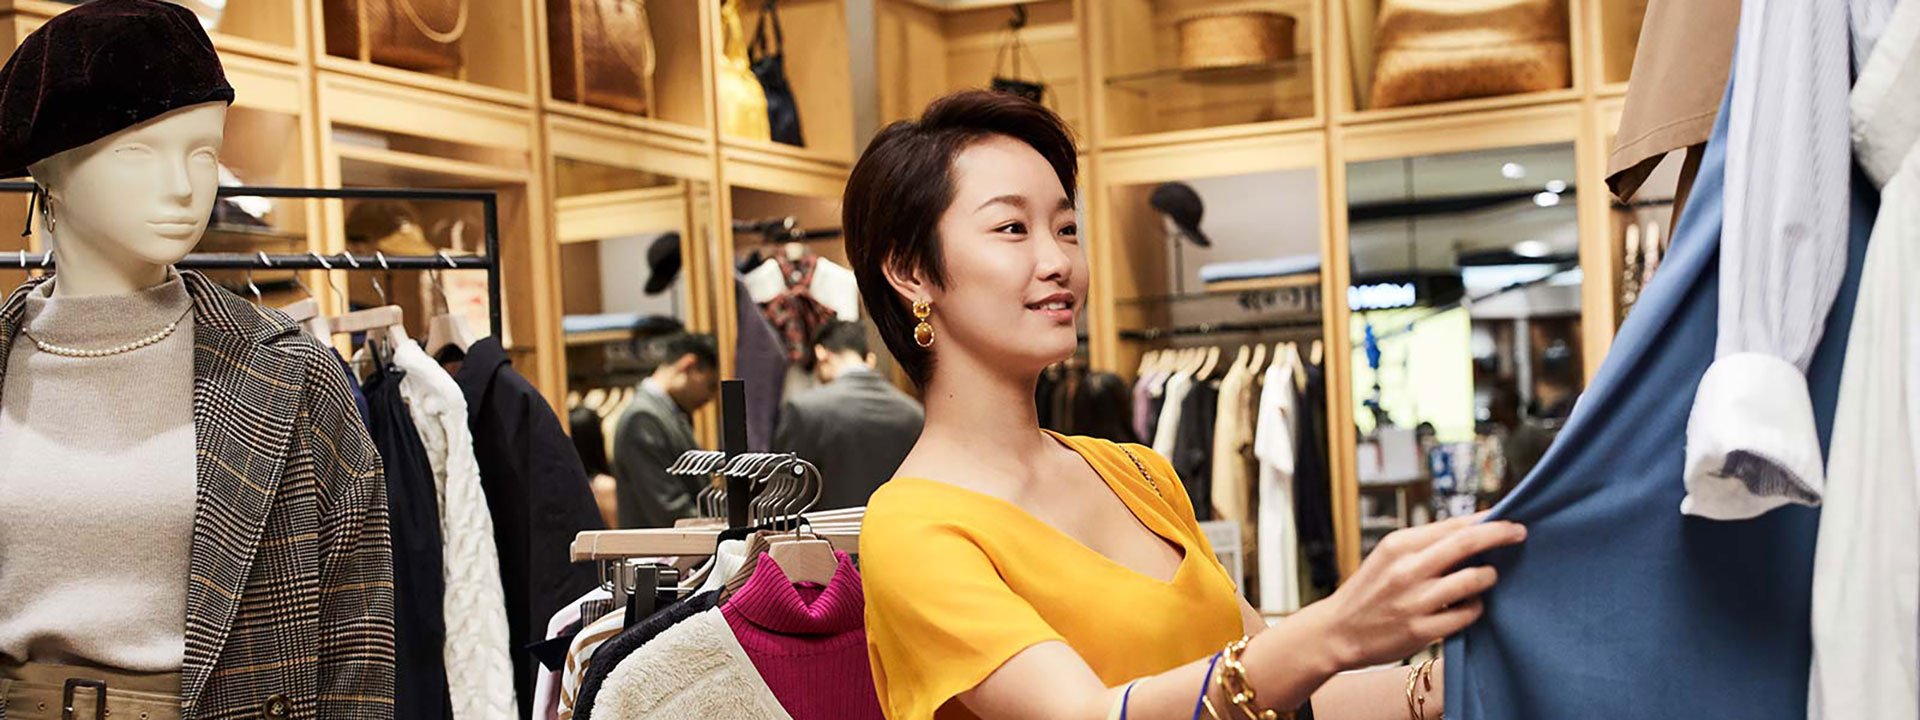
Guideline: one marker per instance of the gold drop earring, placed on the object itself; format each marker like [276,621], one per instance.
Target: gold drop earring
[923,333]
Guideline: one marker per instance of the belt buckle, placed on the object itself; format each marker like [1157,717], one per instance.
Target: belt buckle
[99,695]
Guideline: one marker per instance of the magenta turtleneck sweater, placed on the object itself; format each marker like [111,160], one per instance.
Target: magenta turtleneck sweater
[809,643]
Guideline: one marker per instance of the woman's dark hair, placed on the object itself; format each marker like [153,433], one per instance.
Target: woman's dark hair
[904,182]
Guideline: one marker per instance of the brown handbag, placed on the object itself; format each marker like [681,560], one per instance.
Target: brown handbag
[422,35]
[1435,50]
[602,53]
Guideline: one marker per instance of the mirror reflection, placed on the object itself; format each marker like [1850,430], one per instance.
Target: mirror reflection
[1466,326]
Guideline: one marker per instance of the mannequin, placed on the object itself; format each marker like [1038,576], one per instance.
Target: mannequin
[191,514]
[127,207]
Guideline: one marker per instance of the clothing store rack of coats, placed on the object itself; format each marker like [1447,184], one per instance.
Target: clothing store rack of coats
[753,610]
[1241,414]
[484,490]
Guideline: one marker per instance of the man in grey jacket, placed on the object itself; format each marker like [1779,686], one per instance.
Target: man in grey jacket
[658,428]
[856,427]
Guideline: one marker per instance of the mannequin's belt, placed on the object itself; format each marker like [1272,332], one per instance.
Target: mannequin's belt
[47,691]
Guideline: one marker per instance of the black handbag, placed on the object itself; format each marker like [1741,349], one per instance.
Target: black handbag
[1011,48]
[769,64]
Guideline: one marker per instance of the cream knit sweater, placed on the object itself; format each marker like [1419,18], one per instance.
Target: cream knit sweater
[97,481]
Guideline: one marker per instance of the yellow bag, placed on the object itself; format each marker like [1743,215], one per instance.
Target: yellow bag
[1435,50]
[743,104]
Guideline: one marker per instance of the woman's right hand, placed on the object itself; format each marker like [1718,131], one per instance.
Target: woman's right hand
[1412,591]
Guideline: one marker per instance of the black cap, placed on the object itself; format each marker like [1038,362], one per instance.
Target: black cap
[100,68]
[663,263]
[1178,201]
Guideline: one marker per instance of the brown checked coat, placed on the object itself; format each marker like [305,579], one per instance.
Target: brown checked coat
[290,580]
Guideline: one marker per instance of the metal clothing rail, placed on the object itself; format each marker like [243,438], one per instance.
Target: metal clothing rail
[1223,328]
[489,207]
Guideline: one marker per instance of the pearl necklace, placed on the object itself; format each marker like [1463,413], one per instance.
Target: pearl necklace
[63,351]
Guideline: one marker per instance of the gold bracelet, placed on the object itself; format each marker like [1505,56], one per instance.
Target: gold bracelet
[1419,683]
[1233,683]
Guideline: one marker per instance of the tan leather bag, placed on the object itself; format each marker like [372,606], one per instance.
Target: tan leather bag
[1435,50]
[602,53]
[422,35]
[743,103]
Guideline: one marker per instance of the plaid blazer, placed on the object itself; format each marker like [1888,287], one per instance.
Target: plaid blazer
[290,575]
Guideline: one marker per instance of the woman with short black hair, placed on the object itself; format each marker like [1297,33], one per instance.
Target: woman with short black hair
[1012,573]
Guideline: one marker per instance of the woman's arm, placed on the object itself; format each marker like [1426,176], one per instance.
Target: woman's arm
[1404,597]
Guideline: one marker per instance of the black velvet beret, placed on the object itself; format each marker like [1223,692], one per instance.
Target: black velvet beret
[98,69]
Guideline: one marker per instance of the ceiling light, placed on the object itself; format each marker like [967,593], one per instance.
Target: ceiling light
[1531,248]
[1513,171]
[1556,186]
[1546,199]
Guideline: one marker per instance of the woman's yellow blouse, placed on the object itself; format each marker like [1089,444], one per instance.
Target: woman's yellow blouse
[958,582]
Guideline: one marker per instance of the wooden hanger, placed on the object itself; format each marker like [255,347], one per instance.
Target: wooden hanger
[573,399]
[594,399]
[1240,359]
[1318,353]
[1208,363]
[385,317]
[1147,360]
[446,329]
[1256,364]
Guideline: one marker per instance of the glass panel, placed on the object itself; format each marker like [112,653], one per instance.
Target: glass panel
[1466,325]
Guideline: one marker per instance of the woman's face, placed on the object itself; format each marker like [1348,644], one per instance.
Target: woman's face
[1016,275]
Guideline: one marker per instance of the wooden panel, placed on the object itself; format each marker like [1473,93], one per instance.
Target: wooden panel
[585,218]
[1214,158]
[656,152]
[422,81]
[910,58]
[782,172]
[266,29]
[394,108]
[266,86]
[1535,125]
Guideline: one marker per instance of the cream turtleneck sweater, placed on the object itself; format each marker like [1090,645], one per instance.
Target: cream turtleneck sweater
[97,483]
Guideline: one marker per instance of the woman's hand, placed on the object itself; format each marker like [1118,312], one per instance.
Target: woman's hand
[1412,591]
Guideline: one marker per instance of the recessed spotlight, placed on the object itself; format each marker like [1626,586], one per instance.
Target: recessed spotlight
[1531,248]
[1546,199]
[1513,171]
[1556,186]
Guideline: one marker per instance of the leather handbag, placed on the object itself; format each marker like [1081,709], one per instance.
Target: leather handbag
[770,67]
[1436,50]
[602,53]
[743,105]
[1006,77]
[422,35]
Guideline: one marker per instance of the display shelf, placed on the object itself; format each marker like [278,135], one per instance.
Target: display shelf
[818,68]
[928,49]
[494,59]
[1149,87]
[269,29]
[1261,198]
[376,133]
[1354,47]
[675,94]
[1454,108]
[778,168]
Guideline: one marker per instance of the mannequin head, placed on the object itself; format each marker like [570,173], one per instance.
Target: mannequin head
[126,206]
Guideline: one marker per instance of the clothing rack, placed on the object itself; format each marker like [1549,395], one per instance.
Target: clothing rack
[613,545]
[490,262]
[1222,328]
[784,230]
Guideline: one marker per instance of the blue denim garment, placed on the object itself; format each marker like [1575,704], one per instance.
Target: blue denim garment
[1618,606]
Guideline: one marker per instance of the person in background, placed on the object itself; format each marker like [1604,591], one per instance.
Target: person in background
[856,427]
[658,428]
